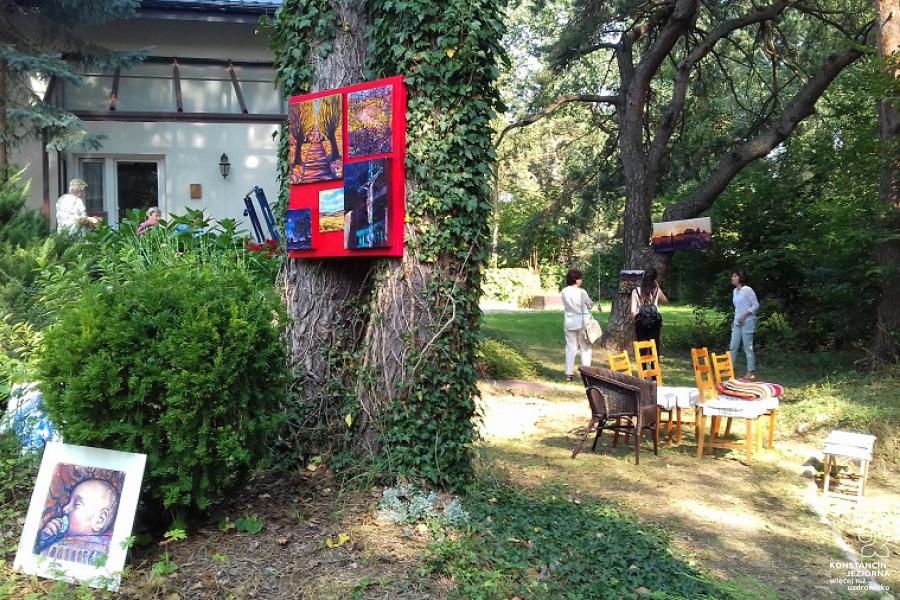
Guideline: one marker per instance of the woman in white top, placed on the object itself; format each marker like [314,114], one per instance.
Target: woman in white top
[744,325]
[577,306]
[645,309]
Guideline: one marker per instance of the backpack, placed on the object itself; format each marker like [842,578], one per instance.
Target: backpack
[648,316]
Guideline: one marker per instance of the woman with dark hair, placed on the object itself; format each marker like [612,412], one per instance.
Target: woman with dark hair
[577,307]
[645,308]
[743,327]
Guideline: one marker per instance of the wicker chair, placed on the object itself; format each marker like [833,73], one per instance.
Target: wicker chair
[619,403]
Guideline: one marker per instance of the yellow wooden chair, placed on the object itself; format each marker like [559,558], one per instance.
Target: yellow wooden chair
[619,362]
[648,367]
[723,369]
[712,405]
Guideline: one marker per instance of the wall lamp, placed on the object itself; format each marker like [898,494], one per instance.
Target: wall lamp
[224,166]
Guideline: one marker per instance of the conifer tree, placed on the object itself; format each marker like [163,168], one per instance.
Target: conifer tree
[41,42]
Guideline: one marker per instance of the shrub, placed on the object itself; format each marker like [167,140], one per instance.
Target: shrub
[17,473]
[513,286]
[708,329]
[503,362]
[169,345]
[25,249]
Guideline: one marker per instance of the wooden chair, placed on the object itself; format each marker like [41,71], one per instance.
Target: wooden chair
[615,398]
[619,362]
[648,367]
[716,407]
[723,369]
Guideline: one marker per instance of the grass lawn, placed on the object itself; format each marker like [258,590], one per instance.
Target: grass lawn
[743,523]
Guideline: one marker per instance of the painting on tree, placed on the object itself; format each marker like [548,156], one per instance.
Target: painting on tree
[331,210]
[369,121]
[629,280]
[298,229]
[315,129]
[366,205]
[686,234]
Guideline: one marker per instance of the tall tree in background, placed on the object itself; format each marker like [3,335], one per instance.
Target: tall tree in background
[669,57]
[34,37]
[886,346]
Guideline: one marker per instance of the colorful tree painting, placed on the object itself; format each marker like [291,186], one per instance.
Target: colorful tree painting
[369,121]
[316,140]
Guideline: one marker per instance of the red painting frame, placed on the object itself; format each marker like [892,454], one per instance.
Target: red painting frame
[306,195]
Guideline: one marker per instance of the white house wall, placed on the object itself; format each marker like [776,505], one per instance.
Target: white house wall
[190,154]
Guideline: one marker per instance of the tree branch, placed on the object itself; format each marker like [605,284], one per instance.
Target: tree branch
[553,107]
[801,106]
[670,117]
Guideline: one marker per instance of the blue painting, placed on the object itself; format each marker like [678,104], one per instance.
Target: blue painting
[366,214]
[26,418]
[299,229]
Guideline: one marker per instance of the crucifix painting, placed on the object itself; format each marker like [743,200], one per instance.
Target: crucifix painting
[366,214]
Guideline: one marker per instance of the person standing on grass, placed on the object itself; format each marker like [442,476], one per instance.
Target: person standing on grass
[744,325]
[645,309]
[577,307]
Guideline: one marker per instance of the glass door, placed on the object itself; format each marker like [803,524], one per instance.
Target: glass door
[92,171]
[137,187]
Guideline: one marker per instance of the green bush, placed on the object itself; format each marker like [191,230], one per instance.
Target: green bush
[708,329]
[17,473]
[513,286]
[26,248]
[170,345]
[503,362]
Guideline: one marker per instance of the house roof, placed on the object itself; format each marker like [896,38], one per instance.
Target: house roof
[213,6]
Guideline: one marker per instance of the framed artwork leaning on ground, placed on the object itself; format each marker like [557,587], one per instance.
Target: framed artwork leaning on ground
[81,512]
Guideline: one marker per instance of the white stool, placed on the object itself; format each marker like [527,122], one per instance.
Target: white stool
[855,446]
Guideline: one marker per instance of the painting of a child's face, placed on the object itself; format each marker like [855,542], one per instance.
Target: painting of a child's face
[91,508]
[81,514]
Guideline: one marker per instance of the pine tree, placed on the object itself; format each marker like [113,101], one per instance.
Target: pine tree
[40,41]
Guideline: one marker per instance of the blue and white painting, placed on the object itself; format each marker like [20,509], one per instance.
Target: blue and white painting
[26,418]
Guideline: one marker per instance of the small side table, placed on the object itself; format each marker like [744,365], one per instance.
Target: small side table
[854,446]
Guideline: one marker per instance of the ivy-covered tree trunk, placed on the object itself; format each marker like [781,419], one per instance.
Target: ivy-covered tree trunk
[886,345]
[4,140]
[383,350]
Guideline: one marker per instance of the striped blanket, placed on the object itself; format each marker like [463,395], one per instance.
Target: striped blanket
[750,390]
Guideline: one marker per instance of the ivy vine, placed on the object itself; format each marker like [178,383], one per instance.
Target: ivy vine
[449,53]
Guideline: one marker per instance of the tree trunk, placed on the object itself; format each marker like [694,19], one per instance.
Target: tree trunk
[619,332]
[886,345]
[4,124]
[392,342]
[323,298]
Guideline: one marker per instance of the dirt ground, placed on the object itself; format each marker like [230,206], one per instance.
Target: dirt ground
[320,541]
[736,520]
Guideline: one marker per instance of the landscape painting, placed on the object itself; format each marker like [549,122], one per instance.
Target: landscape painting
[331,210]
[689,234]
[629,281]
[298,229]
[369,115]
[366,205]
[316,138]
